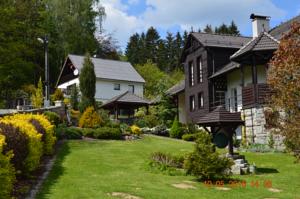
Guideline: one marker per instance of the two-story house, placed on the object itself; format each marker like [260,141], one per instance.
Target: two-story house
[118,85]
[231,71]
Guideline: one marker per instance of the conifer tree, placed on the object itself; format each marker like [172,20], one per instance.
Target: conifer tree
[151,44]
[87,84]
[37,97]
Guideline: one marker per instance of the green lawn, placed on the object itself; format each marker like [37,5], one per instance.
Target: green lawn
[92,169]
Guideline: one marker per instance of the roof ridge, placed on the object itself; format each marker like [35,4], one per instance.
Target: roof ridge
[243,47]
[271,37]
[283,23]
[101,58]
[221,34]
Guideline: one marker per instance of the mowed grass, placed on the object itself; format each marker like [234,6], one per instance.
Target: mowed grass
[93,169]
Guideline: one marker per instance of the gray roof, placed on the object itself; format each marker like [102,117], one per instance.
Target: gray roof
[219,40]
[110,69]
[126,97]
[177,88]
[263,42]
[283,28]
[227,68]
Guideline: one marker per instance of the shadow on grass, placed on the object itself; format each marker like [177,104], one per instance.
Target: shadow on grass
[56,172]
[266,170]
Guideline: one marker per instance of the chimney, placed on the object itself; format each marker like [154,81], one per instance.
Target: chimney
[259,24]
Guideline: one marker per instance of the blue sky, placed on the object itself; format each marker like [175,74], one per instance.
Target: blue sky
[125,17]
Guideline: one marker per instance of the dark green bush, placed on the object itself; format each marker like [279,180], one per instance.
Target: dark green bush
[205,163]
[64,132]
[53,117]
[107,133]
[7,176]
[17,142]
[190,137]
[177,131]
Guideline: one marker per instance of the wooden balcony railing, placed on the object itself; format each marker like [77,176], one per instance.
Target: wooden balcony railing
[255,94]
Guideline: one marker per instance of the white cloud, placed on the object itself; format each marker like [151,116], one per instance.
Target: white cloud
[119,23]
[189,13]
[183,13]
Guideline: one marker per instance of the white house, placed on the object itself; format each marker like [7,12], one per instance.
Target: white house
[113,78]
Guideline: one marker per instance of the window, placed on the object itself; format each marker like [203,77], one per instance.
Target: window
[200,70]
[234,99]
[200,100]
[117,87]
[191,74]
[131,88]
[192,103]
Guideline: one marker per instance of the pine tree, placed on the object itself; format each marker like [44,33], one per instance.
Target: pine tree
[222,29]
[87,84]
[233,29]
[133,49]
[170,48]
[179,45]
[74,98]
[151,42]
[185,37]
[142,54]
[208,29]
[162,57]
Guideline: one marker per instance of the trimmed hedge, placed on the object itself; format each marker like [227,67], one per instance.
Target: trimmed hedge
[103,133]
[7,171]
[48,137]
[17,142]
[35,145]
[53,117]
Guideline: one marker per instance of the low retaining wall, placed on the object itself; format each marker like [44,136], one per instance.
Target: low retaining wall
[60,110]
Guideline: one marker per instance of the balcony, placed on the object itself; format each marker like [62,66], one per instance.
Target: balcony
[255,94]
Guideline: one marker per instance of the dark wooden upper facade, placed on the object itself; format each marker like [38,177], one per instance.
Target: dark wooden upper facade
[201,92]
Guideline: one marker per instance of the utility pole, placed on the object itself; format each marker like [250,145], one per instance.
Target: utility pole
[45,41]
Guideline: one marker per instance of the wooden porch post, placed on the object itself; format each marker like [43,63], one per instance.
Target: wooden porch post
[254,78]
[242,76]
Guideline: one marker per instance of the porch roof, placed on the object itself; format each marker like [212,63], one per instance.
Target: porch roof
[128,99]
[177,88]
[227,68]
[220,117]
[264,42]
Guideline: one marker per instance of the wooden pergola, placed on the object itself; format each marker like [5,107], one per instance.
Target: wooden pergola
[126,101]
[221,120]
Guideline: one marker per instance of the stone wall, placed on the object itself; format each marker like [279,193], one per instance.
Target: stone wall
[255,130]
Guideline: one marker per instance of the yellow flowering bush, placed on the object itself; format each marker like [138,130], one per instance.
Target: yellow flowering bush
[135,130]
[35,145]
[49,136]
[90,118]
[2,142]
[7,171]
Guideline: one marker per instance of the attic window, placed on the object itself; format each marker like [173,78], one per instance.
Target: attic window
[117,87]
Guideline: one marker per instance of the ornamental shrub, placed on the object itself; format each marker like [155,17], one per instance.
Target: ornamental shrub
[7,171]
[53,117]
[103,133]
[205,163]
[90,118]
[17,142]
[48,137]
[35,145]
[57,95]
[135,130]
[176,130]
[190,137]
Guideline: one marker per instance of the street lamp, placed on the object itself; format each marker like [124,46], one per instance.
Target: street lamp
[45,41]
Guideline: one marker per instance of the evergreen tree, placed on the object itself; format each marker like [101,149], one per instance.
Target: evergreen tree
[74,98]
[162,55]
[87,84]
[208,29]
[151,44]
[233,29]
[185,37]
[132,49]
[170,52]
[222,29]
[142,54]
[179,45]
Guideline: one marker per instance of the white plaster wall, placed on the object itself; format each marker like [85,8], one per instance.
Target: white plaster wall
[261,75]
[181,108]
[234,81]
[105,89]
